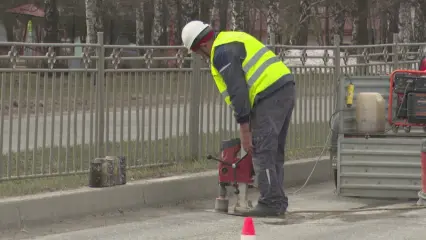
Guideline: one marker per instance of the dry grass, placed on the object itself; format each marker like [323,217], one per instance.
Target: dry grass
[76,159]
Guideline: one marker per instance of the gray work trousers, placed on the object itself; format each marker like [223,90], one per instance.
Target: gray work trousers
[269,121]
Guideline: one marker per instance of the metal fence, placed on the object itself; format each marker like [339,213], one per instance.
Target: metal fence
[64,104]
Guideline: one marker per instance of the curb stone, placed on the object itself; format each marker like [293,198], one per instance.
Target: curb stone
[51,207]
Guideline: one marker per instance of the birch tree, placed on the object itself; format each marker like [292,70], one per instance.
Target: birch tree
[354,34]
[51,21]
[223,14]
[418,21]
[94,20]
[144,22]
[338,13]
[219,14]
[189,10]
[384,20]
[405,26]
[303,24]
[140,17]
[272,20]
[158,28]
[214,13]
[317,26]
[249,23]
[175,10]
[237,15]
[422,12]
[393,21]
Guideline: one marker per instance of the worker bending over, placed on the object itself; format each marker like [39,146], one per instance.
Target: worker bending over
[260,89]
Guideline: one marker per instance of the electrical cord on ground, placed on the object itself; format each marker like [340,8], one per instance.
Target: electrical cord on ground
[323,149]
[374,209]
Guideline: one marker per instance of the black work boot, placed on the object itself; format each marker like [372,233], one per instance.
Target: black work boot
[261,210]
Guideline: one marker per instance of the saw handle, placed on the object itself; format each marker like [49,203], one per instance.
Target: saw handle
[210,157]
[234,167]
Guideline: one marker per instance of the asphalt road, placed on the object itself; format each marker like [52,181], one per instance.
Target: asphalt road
[192,221]
[153,124]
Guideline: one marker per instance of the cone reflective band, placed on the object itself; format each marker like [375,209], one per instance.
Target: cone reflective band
[248,232]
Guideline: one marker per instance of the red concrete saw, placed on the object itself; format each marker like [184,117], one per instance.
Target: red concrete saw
[236,172]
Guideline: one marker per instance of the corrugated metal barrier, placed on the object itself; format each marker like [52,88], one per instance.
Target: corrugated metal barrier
[382,165]
[386,167]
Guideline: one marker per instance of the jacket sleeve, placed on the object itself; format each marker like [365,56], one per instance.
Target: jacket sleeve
[228,60]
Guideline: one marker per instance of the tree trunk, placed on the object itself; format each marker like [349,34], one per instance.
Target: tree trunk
[140,17]
[51,21]
[214,13]
[418,22]
[355,24]
[370,34]
[189,10]
[246,15]
[327,37]
[254,20]
[94,20]
[423,7]
[237,15]
[338,28]
[165,22]
[384,28]
[362,31]
[304,20]
[272,20]
[158,29]
[393,21]
[223,13]
[318,30]
[392,25]
[405,27]
[178,22]
[204,9]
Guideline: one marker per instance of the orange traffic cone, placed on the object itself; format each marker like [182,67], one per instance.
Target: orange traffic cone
[248,232]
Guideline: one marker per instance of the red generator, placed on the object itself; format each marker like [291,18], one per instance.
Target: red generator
[408,88]
[422,65]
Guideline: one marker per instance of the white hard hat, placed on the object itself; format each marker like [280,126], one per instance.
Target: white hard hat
[192,31]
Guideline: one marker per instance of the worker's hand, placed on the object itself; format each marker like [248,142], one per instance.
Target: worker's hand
[246,139]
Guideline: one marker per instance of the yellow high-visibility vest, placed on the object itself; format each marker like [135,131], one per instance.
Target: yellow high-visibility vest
[262,67]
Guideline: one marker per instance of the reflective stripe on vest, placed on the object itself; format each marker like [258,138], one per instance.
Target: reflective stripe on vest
[254,67]
[259,71]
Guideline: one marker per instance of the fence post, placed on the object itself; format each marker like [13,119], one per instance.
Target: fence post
[194,110]
[339,83]
[272,42]
[100,96]
[395,57]
[337,60]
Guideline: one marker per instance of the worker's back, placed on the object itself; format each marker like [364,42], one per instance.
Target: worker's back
[262,67]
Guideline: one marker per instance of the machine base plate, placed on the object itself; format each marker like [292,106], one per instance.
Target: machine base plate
[242,214]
